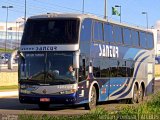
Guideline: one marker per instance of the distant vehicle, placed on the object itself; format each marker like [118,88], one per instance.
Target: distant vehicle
[157,60]
[4,57]
[2,60]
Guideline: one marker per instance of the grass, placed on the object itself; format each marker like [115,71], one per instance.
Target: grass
[99,113]
[149,110]
[157,75]
[7,50]
[3,88]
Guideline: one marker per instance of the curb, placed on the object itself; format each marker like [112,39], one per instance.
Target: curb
[8,94]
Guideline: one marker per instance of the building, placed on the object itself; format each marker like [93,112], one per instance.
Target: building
[157,27]
[11,36]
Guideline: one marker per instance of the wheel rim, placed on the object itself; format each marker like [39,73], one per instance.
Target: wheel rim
[135,94]
[141,94]
[93,98]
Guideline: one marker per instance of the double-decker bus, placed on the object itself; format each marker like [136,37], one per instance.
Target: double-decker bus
[111,61]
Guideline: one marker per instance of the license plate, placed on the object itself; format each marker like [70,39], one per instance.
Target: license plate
[44,99]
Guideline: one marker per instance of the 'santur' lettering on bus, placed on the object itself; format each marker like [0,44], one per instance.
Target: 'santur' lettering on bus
[108,51]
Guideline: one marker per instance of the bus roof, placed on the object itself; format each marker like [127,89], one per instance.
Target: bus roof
[83,16]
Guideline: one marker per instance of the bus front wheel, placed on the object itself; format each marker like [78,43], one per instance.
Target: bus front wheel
[93,100]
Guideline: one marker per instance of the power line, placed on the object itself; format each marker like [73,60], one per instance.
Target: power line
[47,7]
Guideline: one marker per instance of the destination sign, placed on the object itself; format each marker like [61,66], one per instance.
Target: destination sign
[40,48]
[71,47]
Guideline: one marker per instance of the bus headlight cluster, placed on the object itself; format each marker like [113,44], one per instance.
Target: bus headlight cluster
[25,91]
[23,86]
[68,91]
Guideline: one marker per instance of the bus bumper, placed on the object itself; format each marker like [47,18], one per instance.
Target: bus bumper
[51,99]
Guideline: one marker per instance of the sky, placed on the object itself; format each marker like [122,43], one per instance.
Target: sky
[131,10]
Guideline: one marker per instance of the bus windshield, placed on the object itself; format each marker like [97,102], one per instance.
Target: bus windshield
[46,68]
[50,31]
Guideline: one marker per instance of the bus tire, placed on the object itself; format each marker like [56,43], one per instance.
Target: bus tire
[43,106]
[141,94]
[135,97]
[93,100]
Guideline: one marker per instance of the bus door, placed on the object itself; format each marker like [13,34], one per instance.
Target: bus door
[83,82]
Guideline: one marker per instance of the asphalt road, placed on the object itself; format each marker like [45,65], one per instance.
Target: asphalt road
[12,106]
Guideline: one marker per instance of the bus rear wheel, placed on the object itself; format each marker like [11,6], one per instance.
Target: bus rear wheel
[93,100]
[43,106]
[141,94]
[135,94]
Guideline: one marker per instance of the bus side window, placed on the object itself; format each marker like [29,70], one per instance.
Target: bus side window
[83,72]
[97,67]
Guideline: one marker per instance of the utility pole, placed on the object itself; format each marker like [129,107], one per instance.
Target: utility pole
[25,12]
[120,11]
[83,7]
[145,13]
[6,7]
[105,9]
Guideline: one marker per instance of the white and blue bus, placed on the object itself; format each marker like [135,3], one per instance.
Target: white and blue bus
[111,61]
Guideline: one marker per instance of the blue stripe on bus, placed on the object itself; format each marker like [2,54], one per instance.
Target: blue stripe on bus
[135,75]
[121,90]
[115,81]
[139,55]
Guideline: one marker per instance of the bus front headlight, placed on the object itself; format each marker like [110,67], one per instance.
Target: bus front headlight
[68,91]
[25,91]
[23,86]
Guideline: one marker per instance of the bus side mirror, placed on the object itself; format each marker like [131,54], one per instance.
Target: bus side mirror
[20,54]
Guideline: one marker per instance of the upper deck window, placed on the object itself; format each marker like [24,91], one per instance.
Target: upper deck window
[143,42]
[86,30]
[135,38]
[108,33]
[127,36]
[51,31]
[117,34]
[98,31]
[85,35]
